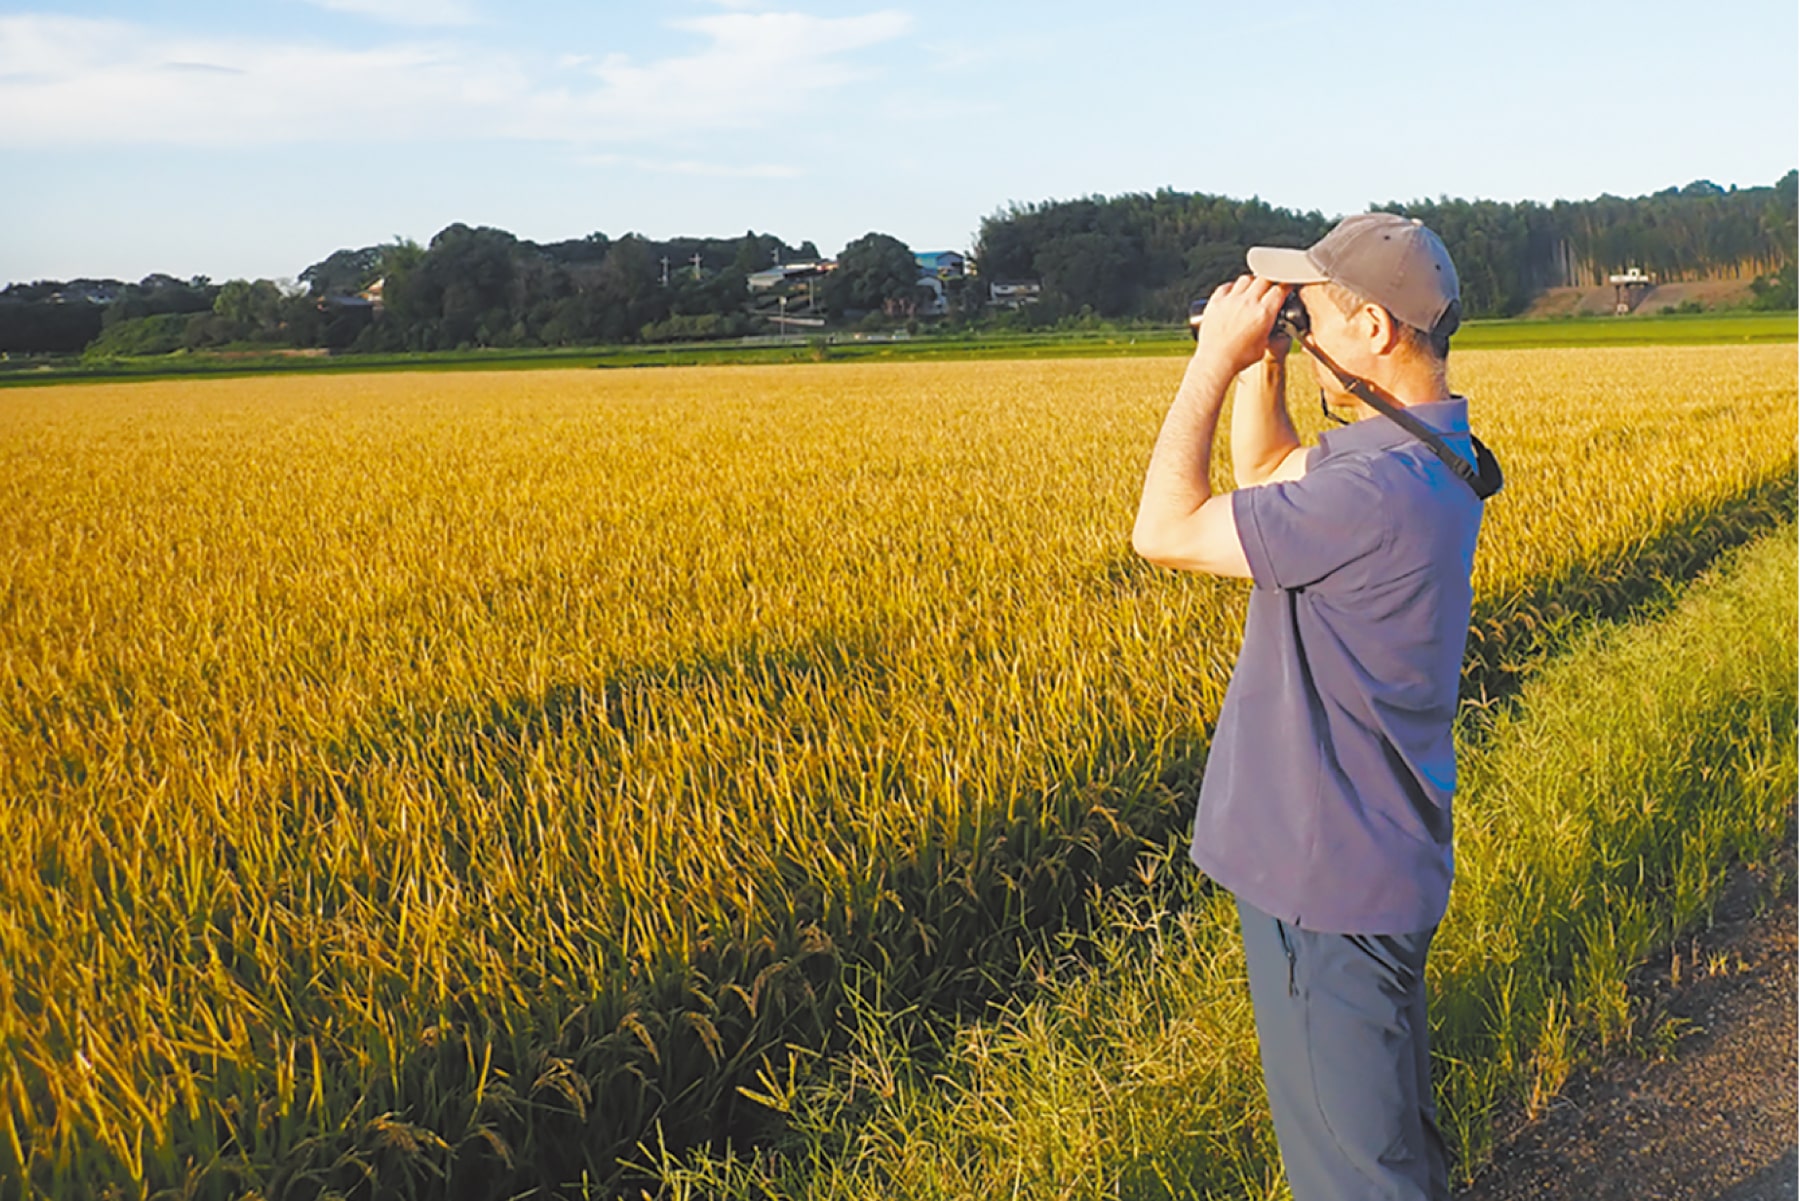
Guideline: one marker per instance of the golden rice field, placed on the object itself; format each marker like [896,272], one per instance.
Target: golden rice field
[454,773]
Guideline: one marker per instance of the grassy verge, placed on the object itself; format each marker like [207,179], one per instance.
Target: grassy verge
[1599,813]
[1706,329]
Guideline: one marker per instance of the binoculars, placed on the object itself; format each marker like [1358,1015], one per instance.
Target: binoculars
[1292,317]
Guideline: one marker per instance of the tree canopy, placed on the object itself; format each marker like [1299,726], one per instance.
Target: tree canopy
[876,272]
[1147,255]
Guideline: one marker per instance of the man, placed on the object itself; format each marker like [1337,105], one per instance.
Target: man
[1325,806]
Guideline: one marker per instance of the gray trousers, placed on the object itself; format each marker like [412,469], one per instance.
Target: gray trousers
[1346,1057]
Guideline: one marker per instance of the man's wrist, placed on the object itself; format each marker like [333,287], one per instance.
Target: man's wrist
[1205,382]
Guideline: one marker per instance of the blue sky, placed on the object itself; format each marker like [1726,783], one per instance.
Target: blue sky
[252,138]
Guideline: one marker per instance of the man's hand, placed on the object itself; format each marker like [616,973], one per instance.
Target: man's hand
[1240,316]
[1180,523]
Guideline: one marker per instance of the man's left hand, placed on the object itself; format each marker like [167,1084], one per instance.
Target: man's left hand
[1239,318]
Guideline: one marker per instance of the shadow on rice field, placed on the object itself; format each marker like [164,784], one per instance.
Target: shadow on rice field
[927,938]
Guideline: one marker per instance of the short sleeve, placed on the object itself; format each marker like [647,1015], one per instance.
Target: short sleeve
[1299,532]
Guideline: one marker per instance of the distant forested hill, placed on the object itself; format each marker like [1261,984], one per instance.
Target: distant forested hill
[1146,255]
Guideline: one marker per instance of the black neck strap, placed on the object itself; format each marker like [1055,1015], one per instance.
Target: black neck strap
[1484,478]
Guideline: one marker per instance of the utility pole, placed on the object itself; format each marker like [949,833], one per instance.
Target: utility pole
[665,273]
[696,262]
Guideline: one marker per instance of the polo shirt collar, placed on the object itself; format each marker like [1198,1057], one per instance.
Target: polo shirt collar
[1378,433]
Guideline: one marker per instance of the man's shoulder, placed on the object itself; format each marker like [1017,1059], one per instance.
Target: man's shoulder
[1347,485]
[1407,467]
[1347,474]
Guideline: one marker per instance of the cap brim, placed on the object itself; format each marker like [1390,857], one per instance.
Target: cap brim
[1284,265]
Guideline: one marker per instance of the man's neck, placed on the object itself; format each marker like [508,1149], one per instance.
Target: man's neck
[1408,388]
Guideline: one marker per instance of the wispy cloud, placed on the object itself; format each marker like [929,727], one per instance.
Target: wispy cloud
[85,81]
[78,81]
[419,13]
[695,167]
[753,66]
[213,68]
[950,57]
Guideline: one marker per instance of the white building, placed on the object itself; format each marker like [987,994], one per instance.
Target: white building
[1014,293]
[788,273]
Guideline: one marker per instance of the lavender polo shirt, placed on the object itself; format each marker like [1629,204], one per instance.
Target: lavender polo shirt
[1326,797]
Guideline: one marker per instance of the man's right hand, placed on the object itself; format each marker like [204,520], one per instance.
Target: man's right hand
[1238,329]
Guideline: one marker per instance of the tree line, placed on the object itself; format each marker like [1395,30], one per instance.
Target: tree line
[469,287]
[1147,255]
[1136,257]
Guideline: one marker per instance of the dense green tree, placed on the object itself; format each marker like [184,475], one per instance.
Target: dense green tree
[456,293]
[250,309]
[1777,292]
[749,258]
[1100,272]
[159,334]
[591,249]
[875,273]
[158,294]
[62,317]
[43,327]
[344,272]
[1138,255]
[629,289]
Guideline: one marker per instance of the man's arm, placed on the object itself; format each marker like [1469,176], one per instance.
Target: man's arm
[1264,446]
[1180,523]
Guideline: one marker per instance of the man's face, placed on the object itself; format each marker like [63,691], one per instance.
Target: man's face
[1337,336]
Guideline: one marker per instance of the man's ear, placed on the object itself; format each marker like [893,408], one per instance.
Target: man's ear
[1380,328]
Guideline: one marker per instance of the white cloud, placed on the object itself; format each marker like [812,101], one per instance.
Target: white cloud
[422,13]
[755,66]
[71,81]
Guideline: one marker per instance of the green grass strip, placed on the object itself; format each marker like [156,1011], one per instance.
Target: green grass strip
[1705,329]
[1742,328]
[1599,814]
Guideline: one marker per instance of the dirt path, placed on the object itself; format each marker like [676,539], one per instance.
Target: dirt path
[1713,1118]
[1600,301]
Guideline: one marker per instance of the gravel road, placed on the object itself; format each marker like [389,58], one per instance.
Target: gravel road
[1709,1114]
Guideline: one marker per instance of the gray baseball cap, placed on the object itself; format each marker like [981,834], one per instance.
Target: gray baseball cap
[1392,260]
